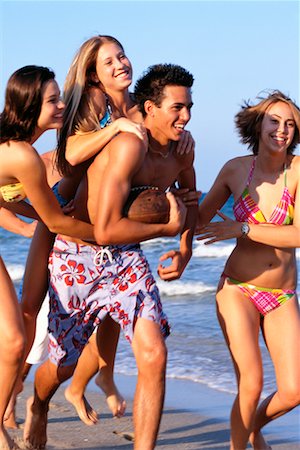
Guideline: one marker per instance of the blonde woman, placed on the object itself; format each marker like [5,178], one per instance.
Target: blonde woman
[98,107]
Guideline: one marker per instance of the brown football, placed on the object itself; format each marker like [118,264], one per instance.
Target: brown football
[147,205]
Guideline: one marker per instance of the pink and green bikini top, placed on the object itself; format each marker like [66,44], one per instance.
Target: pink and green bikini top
[246,210]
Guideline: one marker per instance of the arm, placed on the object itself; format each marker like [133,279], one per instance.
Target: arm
[286,236]
[181,257]
[215,198]
[23,208]
[10,222]
[29,169]
[126,156]
[81,147]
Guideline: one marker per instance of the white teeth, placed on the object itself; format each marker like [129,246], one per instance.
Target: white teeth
[181,127]
[279,139]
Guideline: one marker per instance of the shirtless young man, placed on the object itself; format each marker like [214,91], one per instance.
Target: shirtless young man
[91,281]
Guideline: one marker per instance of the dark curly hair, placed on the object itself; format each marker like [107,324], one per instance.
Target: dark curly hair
[248,120]
[152,83]
[23,103]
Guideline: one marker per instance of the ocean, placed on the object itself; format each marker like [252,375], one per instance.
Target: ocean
[196,348]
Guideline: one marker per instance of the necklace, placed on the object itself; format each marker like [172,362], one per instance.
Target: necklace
[162,154]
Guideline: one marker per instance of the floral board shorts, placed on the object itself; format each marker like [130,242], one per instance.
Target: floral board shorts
[87,282]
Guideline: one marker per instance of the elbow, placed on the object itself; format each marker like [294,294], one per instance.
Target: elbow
[72,160]
[54,228]
[102,236]
[57,226]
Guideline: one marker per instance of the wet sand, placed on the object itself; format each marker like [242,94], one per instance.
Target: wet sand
[201,424]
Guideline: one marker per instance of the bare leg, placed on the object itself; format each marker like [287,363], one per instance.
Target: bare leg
[240,325]
[86,368]
[283,344]
[47,380]
[10,413]
[151,357]
[88,365]
[11,347]
[107,341]
[35,284]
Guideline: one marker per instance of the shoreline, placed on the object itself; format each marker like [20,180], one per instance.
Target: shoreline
[195,417]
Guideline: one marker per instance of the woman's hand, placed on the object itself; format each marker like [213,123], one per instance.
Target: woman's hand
[129,126]
[186,143]
[219,231]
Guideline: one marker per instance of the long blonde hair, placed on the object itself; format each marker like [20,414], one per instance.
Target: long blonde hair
[80,115]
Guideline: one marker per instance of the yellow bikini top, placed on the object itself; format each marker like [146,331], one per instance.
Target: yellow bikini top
[13,192]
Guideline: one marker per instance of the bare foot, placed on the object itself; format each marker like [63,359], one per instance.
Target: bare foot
[84,410]
[114,399]
[6,443]
[258,442]
[10,421]
[35,428]
[10,416]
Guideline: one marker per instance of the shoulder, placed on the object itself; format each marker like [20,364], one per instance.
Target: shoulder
[20,152]
[295,162]
[127,144]
[294,172]
[238,164]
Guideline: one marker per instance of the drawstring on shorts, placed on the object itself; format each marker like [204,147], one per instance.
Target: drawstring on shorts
[99,257]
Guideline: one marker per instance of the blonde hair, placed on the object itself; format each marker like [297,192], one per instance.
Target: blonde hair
[80,115]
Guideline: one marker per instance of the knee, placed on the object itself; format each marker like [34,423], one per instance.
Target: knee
[251,386]
[29,310]
[154,358]
[14,346]
[64,373]
[290,395]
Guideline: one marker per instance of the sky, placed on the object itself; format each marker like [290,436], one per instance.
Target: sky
[235,50]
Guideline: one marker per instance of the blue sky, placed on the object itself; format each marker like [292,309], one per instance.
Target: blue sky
[235,50]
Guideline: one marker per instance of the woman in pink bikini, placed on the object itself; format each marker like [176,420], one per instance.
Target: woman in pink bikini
[258,285]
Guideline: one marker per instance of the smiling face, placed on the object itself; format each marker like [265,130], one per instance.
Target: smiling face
[167,121]
[113,68]
[277,128]
[51,116]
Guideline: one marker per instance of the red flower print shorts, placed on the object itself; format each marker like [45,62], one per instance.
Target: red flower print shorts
[87,282]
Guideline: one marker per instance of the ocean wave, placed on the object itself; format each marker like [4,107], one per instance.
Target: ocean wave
[15,271]
[219,250]
[159,241]
[212,251]
[182,288]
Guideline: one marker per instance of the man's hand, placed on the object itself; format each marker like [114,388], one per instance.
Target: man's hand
[177,215]
[189,198]
[175,269]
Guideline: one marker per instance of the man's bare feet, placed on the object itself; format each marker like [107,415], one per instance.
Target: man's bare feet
[84,410]
[114,399]
[258,442]
[35,428]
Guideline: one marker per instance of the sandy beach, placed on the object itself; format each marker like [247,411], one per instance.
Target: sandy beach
[195,417]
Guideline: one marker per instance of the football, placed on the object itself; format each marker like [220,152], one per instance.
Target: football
[147,205]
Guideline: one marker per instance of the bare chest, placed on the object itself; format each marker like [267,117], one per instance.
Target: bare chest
[157,171]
